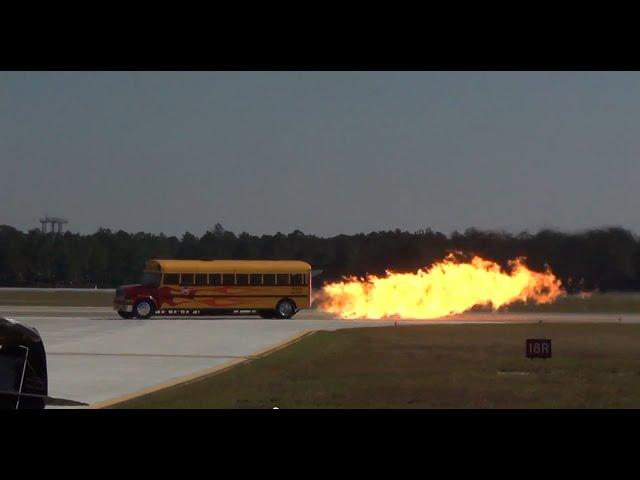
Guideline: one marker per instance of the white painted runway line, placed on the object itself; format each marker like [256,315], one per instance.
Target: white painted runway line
[93,355]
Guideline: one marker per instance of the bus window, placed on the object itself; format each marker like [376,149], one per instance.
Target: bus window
[215,279]
[201,279]
[269,279]
[228,279]
[186,279]
[297,279]
[242,279]
[283,279]
[151,278]
[255,279]
[170,279]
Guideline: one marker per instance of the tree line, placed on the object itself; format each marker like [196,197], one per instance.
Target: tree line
[600,259]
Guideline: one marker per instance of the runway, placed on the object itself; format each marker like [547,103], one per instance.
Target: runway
[93,355]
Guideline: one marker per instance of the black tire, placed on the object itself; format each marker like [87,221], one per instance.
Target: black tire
[126,315]
[267,313]
[285,309]
[143,309]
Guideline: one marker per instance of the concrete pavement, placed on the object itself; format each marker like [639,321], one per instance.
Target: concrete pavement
[93,355]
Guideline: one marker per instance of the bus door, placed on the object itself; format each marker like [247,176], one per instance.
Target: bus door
[170,287]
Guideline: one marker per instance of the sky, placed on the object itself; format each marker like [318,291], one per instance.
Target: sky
[322,152]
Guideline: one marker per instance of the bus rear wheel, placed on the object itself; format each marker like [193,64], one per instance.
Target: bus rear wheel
[143,309]
[126,315]
[285,309]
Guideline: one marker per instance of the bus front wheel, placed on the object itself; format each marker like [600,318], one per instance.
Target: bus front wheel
[285,309]
[143,309]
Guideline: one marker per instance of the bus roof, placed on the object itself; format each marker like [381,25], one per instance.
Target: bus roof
[227,266]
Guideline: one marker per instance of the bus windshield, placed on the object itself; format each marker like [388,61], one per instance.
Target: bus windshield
[151,278]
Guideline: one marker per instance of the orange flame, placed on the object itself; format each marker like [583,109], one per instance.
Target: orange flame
[446,288]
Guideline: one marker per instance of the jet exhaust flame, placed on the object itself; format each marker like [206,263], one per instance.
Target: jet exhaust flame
[447,287]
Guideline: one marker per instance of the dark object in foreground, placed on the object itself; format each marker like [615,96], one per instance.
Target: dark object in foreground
[538,348]
[23,369]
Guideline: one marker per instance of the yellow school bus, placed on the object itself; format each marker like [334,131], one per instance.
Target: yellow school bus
[269,288]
